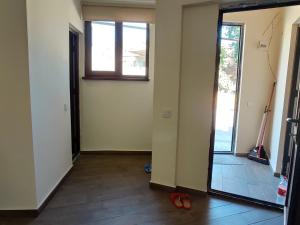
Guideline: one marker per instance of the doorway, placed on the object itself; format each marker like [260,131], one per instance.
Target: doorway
[291,161]
[234,174]
[74,92]
[228,87]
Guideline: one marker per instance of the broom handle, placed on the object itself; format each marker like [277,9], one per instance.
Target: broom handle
[271,97]
[262,132]
[258,142]
[262,129]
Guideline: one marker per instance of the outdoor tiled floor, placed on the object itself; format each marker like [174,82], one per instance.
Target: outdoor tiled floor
[241,176]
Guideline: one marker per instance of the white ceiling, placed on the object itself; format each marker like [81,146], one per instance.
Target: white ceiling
[136,2]
[146,2]
[152,2]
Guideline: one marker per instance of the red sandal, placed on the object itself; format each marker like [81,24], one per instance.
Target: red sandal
[186,201]
[176,200]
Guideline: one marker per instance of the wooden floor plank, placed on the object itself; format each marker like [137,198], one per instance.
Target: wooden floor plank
[114,190]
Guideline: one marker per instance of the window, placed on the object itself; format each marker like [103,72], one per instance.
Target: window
[117,50]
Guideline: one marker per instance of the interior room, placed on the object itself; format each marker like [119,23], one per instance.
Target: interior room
[111,112]
[252,74]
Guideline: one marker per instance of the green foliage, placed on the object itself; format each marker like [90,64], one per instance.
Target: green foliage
[232,32]
[229,57]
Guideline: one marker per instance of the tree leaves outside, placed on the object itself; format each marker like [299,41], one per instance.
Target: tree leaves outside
[229,58]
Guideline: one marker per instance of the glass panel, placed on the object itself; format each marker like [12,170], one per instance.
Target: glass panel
[231,174]
[227,88]
[134,49]
[103,46]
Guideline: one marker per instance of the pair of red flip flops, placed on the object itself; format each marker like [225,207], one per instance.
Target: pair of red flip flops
[181,200]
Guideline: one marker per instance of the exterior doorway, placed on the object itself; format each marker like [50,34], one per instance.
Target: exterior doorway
[230,182]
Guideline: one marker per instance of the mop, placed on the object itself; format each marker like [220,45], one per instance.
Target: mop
[258,153]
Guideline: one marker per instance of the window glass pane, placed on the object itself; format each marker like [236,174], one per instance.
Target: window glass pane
[231,32]
[134,49]
[103,46]
[227,88]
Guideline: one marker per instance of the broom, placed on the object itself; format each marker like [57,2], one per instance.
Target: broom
[258,153]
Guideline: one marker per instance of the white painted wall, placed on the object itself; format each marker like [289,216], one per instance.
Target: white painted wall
[191,164]
[166,91]
[256,77]
[48,38]
[118,115]
[196,94]
[168,154]
[17,181]
[290,22]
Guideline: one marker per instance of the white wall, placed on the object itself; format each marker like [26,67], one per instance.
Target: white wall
[118,115]
[48,38]
[168,154]
[290,22]
[256,77]
[35,142]
[188,158]
[149,3]
[17,182]
[166,91]
[196,94]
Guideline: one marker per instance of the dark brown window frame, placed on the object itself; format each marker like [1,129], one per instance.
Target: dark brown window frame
[117,74]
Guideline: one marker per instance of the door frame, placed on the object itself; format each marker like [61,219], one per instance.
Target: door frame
[77,100]
[286,156]
[238,85]
[293,160]
[228,8]
[292,216]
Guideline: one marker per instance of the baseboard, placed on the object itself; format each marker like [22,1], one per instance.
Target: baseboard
[35,212]
[115,152]
[52,193]
[19,213]
[166,188]
[161,187]
[191,191]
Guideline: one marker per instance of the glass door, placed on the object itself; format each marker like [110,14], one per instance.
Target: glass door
[228,87]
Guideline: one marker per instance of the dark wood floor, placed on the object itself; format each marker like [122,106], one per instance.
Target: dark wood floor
[114,190]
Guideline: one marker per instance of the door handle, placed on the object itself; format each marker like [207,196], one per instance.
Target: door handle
[291,120]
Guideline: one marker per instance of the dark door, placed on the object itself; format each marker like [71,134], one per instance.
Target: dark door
[291,166]
[289,140]
[293,198]
[74,94]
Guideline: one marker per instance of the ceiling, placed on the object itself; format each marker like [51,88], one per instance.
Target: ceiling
[152,2]
[126,2]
